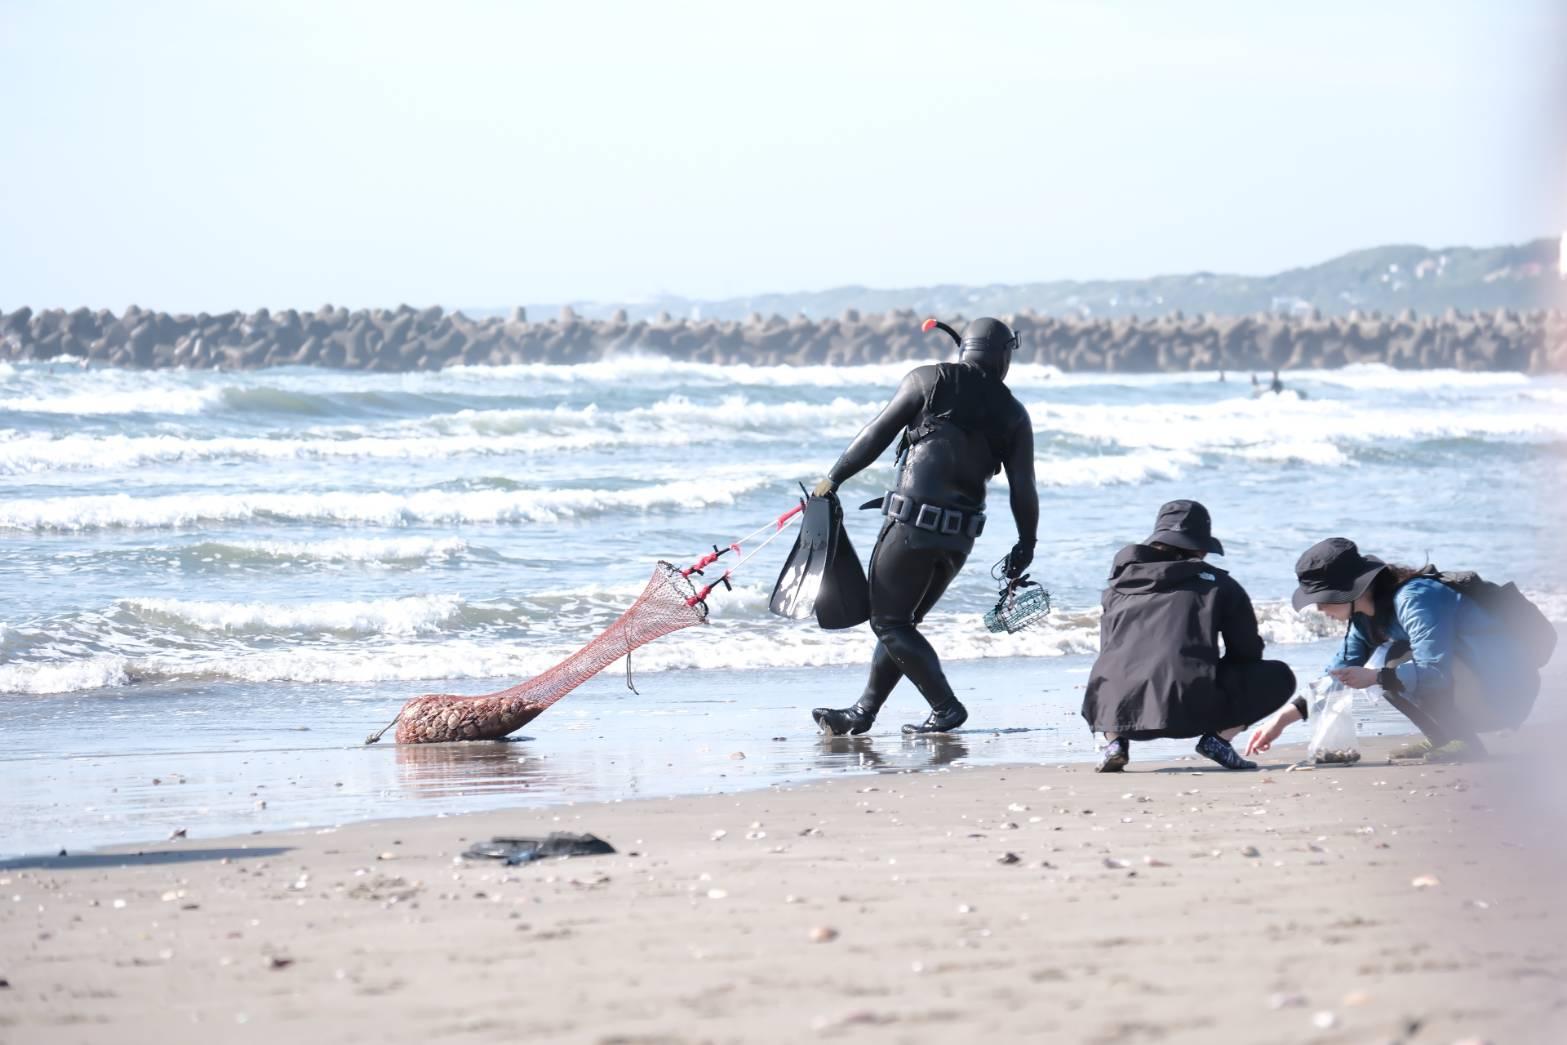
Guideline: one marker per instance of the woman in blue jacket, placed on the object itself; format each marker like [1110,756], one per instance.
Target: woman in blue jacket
[1454,670]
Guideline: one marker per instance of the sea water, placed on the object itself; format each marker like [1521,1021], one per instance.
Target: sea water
[214,585]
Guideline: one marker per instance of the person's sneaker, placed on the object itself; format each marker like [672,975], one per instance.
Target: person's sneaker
[944,721]
[1117,754]
[1414,749]
[1220,751]
[838,722]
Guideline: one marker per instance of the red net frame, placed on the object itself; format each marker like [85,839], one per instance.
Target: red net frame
[667,604]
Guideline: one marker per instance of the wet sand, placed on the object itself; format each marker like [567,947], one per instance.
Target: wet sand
[139,779]
[1171,903]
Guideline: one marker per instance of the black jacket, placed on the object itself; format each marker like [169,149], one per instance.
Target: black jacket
[1158,661]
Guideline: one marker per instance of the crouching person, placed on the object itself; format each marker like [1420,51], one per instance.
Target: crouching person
[1159,671]
[1463,655]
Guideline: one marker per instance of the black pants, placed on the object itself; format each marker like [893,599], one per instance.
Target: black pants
[1437,715]
[906,579]
[1250,691]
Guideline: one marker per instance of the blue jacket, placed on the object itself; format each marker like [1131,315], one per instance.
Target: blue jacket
[1439,624]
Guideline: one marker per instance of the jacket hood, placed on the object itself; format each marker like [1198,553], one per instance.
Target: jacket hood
[1139,569]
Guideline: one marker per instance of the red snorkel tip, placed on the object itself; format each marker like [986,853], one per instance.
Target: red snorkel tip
[928,325]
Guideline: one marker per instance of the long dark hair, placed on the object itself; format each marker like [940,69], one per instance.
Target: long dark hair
[1394,577]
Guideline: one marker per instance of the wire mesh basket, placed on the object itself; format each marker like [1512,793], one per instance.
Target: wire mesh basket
[1021,602]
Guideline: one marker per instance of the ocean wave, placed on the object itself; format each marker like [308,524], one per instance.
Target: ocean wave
[1313,432]
[677,412]
[672,423]
[382,550]
[306,392]
[1380,376]
[405,649]
[1112,469]
[33,454]
[1309,430]
[87,402]
[409,615]
[24,455]
[739,636]
[270,399]
[660,371]
[173,511]
[98,671]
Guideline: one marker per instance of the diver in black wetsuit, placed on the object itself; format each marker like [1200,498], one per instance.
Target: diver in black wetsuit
[960,426]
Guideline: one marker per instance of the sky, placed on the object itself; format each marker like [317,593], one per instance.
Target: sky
[210,156]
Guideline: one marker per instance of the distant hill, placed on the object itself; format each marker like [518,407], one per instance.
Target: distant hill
[1387,279]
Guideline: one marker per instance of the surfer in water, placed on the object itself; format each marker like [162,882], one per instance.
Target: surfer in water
[960,426]
[1275,386]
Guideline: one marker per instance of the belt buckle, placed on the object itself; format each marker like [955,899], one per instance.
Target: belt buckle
[928,517]
[897,507]
[951,522]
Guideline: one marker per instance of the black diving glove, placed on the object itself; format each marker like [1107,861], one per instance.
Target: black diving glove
[1018,559]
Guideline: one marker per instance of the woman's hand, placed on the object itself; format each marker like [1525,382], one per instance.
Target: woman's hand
[823,488]
[1264,735]
[1355,678]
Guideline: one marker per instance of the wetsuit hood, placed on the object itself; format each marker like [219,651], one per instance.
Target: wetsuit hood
[1141,570]
[989,343]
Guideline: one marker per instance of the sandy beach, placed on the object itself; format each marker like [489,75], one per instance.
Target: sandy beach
[1036,902]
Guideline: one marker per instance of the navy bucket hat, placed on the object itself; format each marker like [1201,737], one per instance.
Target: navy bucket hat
[1333,571]
[1185,524]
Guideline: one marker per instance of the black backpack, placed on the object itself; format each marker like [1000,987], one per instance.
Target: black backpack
[1523,618]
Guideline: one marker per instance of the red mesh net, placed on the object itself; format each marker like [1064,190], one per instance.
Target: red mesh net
[663,607]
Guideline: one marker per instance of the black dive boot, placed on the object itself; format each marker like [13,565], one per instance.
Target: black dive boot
[941,720]
[850,721]
[857,719]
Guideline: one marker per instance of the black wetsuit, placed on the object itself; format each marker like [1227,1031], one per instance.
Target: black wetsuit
[961,427]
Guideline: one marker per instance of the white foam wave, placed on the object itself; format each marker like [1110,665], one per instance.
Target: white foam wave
[166,511]
[675,422]
[729,642]
[99,671]
[733,639]
[1112,469]
[32,454]
[646,369]
[410,615]
[1382,376]
[680,412]
[356,549]
[1313,431]
[177,401]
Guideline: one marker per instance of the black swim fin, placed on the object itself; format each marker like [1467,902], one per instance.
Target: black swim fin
[822,575]
[844,598]
[794,596]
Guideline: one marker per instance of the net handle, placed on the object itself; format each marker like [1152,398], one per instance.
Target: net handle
[777,526]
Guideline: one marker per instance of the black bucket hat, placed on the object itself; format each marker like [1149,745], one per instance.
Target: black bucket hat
[1185,524]
[1333,571]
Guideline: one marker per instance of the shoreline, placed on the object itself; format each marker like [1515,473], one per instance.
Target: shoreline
[1335,905]
[685,735]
